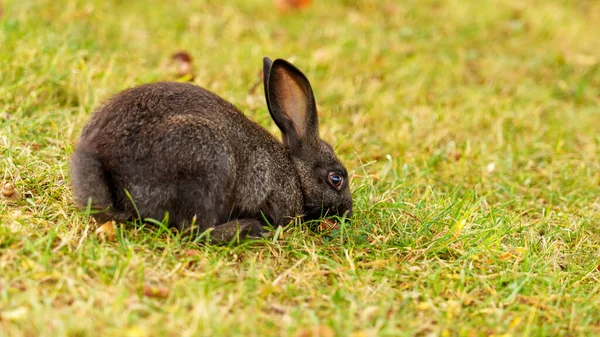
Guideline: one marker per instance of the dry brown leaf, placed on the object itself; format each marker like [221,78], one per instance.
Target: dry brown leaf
[182,65]
[194,258]
[192,253]
[317,331]
[9,192]
[286,5]
[155,292]
[328,225]
[275,309]
[107,231]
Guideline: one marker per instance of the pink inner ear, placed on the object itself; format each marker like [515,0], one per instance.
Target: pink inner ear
[292,97]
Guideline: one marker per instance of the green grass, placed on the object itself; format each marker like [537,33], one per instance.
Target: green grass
[471,129]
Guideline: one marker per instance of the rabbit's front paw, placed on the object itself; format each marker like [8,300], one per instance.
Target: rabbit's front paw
[237,229]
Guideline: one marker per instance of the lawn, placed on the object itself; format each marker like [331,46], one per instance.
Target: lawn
[471,130]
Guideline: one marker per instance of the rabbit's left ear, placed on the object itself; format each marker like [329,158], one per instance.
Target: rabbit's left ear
[291,103]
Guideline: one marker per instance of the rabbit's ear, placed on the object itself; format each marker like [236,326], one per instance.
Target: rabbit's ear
[267,63]
[291,104]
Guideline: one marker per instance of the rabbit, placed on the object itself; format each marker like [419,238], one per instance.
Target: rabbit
[178,149]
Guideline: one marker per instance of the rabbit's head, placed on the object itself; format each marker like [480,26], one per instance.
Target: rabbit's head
[323,178]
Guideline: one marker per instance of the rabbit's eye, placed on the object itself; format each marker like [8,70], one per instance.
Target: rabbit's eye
[336,180]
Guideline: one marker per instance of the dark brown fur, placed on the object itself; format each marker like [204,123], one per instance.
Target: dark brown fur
[181,149]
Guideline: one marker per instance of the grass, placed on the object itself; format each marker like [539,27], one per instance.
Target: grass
[471,129]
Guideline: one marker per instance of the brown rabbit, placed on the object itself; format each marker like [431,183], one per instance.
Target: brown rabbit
[179,149]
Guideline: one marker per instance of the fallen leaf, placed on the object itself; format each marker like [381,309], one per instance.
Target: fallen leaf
[513,254]
[456,156]
[9,193]
[328,225]
[192,253]
[286,5]
[107,231]
[275,309]
[182,66]
[194,258]
[155,292]
[317,331]
[36,146]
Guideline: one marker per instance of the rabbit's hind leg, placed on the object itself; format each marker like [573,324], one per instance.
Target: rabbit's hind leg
[198,204]
[93,185]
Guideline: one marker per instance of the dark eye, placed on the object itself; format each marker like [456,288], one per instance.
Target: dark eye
[336,180]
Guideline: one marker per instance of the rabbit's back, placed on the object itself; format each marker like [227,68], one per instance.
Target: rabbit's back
[152,109]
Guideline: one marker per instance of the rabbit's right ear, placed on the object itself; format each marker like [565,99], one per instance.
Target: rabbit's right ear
[291,104]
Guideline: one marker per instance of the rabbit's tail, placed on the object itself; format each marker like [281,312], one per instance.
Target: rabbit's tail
[93,186]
